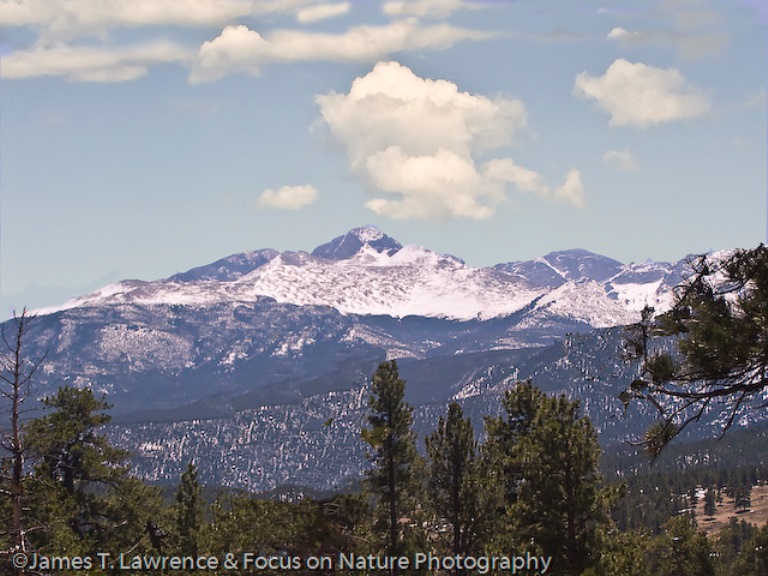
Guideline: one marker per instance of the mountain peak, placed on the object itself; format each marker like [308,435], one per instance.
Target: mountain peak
[577,263]
[344,247]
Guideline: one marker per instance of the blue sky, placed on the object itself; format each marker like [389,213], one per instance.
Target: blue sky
[142,138]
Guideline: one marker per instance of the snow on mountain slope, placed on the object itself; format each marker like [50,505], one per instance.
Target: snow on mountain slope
[647,284]
[583,301]
[413,281]
[366,272]
[199,293]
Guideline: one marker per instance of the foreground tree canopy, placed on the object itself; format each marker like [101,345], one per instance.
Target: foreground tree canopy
[721,361]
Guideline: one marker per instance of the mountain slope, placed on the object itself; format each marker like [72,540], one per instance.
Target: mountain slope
[366,272]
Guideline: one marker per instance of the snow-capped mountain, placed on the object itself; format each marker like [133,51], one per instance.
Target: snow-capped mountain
[365,272]
[236,364]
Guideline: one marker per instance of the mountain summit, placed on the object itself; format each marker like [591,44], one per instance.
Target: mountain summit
[366,272]
[345,247]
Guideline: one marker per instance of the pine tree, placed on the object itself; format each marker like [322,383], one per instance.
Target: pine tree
[81,492]
[189,512]
[554,505]
[731,541]
[752,559]
[394,480]
[710,505]
[680,551]
[501,452]
[721,318]
[742,496]
[454,486]
[560,507]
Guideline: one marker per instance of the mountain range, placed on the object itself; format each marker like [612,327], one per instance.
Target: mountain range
[256,366]
[365,272]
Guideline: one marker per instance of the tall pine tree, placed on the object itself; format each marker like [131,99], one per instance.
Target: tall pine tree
[560,507]
[457,494]
[521,405]
[547,456]
[189,512]
[394,481]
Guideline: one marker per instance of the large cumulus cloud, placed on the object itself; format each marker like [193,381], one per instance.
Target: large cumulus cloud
[416,141]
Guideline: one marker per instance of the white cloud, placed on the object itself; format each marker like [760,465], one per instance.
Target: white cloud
[570,191]
[691,45]
[393,106]
[239,49]
[322,12]
[423,8]
[638,95]
[624,159]
[414,140]
[65,19]
[288,197]
[90,64]
[441,184]
[61,23]
[623,34]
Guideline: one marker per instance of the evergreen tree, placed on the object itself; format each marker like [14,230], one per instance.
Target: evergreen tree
[454,486]
[721,317]
[81,492]
[679,551]
[623,554]
[731,541]
[554,505]
[501,452]
[710,505]
[189,512]
[394,480]
[560,507]
[752,559]
[742,496]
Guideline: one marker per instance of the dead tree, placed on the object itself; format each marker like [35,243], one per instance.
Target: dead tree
[16,373]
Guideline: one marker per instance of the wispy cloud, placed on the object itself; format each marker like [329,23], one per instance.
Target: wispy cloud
[415,142]
[691,45]
[424,8]
[639,95]
[239,49]
[75,41]
[92,64]
[624,159]
[288,197]
[322,12]
[64,20]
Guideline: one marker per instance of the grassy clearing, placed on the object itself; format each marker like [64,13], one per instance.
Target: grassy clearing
[757,513]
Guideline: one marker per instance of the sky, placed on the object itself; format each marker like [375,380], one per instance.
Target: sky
[139,139]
